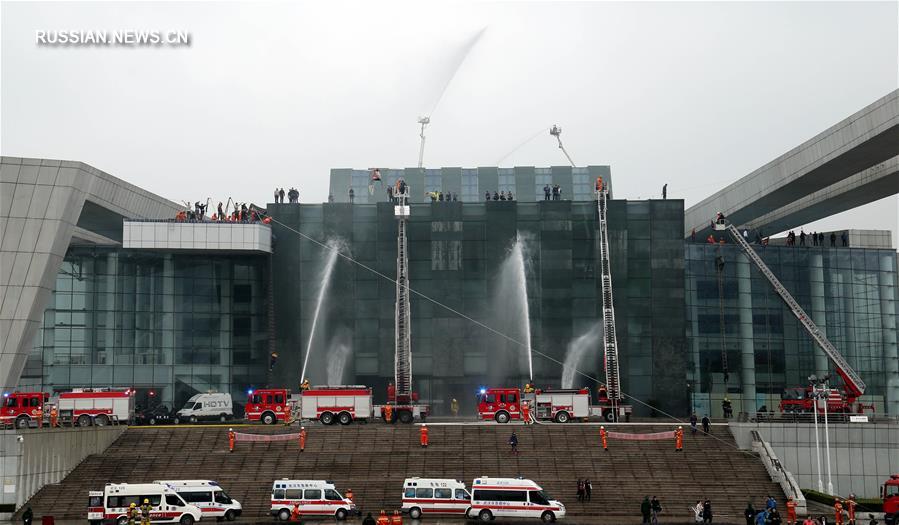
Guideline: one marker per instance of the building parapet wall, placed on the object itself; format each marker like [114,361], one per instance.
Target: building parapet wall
[219,236]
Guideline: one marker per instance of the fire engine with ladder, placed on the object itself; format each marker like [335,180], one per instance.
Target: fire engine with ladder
[797,400]
[402,403]
[564,405]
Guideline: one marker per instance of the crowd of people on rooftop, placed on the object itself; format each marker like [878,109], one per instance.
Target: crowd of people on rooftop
[239,212]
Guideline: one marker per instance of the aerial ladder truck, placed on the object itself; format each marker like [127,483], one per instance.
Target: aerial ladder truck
[402,401]
[803,399]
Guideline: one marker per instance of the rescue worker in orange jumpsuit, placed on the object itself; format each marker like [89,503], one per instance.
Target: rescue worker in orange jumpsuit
[231,438]
[396,519]
[383,519]
[388,413]
[295,513]
[526,412]
[850,506]
[838,511]
[302,439]
[679,439]
[39,416]
[349,494]
[54,417]
[598,183]
[603,435]
[791,511]
[424,435]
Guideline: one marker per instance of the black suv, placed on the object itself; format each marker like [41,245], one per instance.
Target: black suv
[157,415]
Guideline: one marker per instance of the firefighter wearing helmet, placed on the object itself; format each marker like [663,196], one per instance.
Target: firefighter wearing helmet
[145,512]
[133,514]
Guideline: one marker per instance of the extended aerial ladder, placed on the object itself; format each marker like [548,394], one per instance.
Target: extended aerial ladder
[403,401]
[853,384]
[612,396]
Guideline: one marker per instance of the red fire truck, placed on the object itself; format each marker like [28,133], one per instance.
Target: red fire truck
[328,404]
[559,405]
[83,406]
[890,495]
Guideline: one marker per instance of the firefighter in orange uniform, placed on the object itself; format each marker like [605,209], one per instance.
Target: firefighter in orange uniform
[39,416]
[295,513]
[850,506]
[791,511]
[388,413]
[302,439]
[231,439]
[396,519]
[526,412]
[424,435]
[604,436]
[54,417]
[598,183]
[679,439]
[383,519]
[838,511]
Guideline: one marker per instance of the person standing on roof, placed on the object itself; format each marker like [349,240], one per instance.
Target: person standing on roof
[546,192]
[352,195]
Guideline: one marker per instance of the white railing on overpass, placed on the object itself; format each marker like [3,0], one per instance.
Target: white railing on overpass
[778,473]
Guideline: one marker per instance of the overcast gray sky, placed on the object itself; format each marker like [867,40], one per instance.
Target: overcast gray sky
[695,95]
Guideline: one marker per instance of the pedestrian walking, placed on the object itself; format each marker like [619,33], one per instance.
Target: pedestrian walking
[369,520]
[697,511]
[580,489]
[707,511]
[513,443]
[774,517]
[588,489]
[791,511]
[645,509]
[706,424]
[693,422]
[656,506]
[749,514]
[27,516]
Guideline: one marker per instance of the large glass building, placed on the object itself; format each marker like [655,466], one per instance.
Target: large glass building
[695,322]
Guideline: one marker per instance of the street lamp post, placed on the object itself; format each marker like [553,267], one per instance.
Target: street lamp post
[813,380]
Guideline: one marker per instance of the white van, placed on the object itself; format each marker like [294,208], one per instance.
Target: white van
[209,406]
[168,506]
[512,498]
[208,496]
[314,497]
[435,497]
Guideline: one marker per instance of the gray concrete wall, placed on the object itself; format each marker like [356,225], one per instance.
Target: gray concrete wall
[862,455]
[45,456]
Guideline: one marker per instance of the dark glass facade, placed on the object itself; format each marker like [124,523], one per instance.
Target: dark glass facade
[460,257]
[850,293]
[469,184]
[170,324]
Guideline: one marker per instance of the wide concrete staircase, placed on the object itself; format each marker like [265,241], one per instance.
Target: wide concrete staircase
[374,459]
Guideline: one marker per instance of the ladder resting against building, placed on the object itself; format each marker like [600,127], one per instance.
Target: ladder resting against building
[855,387]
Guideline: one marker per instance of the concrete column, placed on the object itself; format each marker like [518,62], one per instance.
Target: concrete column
[819,312]
[887,283]
[747,348]
[167,395]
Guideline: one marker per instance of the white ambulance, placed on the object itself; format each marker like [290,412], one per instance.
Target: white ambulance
[209,496]
[512,498]
[95,514]
[167,505]
[435,497]
[314,497]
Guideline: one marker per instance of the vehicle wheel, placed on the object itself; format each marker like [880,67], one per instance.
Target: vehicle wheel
[609,416]
[406,417]
[284,515]
[193,419]
[122,520]
[269,419]
[548,517]
[22,422]
[340,514]
[223,417]
[415,513]
[562,417]
[326,418]
[502,417]
[344,418]
[84,420]
[101,420]
[187,519]
[485,516]
[230,515]
[152,421]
